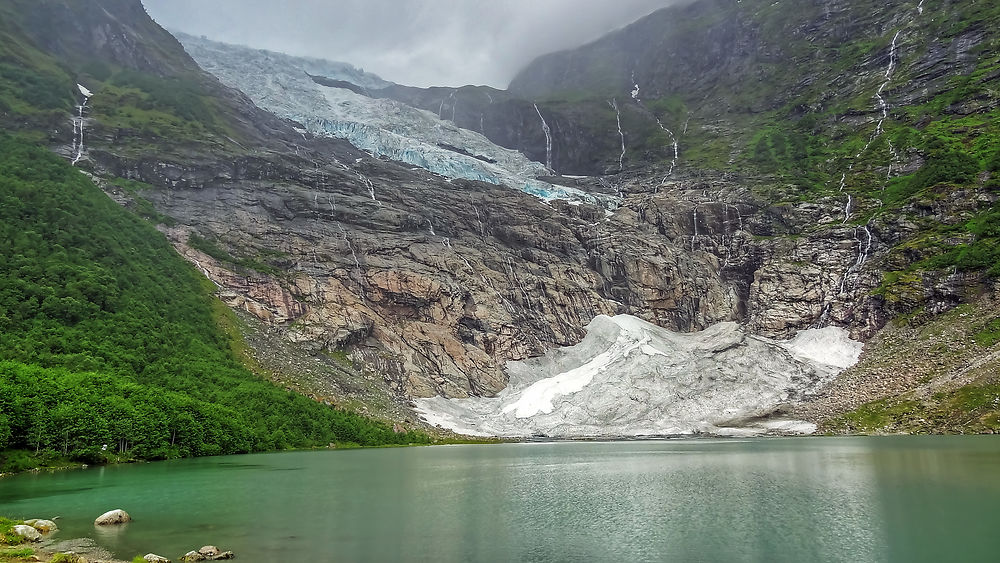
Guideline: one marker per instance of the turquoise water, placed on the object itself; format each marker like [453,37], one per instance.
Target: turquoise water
[811,499]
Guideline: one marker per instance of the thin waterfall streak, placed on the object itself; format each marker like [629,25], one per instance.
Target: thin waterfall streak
[548,139]
[618,117]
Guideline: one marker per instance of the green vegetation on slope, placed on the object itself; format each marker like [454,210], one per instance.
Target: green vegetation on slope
[108,346]
[944,371]
[11,544]
[142,110]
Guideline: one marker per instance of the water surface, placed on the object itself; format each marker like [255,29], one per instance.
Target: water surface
[811,499]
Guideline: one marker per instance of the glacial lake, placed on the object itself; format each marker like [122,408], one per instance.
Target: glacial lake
[782,499]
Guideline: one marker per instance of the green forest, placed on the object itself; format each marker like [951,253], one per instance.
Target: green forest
[109,348]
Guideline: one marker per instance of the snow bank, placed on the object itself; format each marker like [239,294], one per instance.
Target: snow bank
[631,378]
[831,346]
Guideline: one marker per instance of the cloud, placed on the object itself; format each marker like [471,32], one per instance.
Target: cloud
[416,42]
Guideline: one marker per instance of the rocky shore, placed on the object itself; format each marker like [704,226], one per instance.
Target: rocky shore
[36,534]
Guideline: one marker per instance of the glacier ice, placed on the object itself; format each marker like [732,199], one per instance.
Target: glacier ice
[284,85]
[632,378]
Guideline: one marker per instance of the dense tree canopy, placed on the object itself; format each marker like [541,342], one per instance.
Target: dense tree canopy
[108,342]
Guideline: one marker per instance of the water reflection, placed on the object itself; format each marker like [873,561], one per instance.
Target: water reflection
[894,499]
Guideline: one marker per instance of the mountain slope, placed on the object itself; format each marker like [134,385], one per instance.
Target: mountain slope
[109,339]
[111,345]
[820,164]
[891,108]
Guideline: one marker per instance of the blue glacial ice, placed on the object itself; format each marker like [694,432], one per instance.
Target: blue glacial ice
[386,128]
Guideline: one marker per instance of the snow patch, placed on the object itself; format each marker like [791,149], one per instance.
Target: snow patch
[539,396]
[830,346]
[631,378]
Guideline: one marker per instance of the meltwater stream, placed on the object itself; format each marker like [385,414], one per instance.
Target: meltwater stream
[779,499]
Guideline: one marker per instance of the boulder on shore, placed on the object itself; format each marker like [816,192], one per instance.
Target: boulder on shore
[208,553]
[27,532]
[111,517]
[42,525]
[154,558]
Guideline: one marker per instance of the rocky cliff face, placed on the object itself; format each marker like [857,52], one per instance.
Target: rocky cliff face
[784,168]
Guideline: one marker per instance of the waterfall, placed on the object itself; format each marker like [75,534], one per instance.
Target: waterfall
[204,271]
[694,221]
[548,139]
[370,185]
[864,250]
[621,158]
[431,227]
[357,263]
[479,219]
[738,216]
[673,138]
[451,96]
[883,107]
[888,78]
[78,123]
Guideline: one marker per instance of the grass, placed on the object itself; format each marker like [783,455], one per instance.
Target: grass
[7,535]
[11,544]
[970,409]
[17,555]
[931,353]
[213,249]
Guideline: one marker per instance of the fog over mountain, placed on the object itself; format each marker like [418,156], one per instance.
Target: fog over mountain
[418,42]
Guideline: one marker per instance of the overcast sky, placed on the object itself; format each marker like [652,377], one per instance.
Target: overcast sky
[415,42]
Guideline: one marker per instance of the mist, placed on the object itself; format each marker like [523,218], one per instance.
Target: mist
[417,42]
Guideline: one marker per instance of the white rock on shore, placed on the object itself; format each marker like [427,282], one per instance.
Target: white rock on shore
[112,517]
[27,532]
[42,525]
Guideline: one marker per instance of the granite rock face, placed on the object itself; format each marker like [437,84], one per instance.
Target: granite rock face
[438,284]
[435,285]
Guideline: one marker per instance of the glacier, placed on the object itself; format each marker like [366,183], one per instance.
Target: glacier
[632,378]
[284,85]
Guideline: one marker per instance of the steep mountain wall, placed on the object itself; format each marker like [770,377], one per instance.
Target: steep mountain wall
[784,167]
